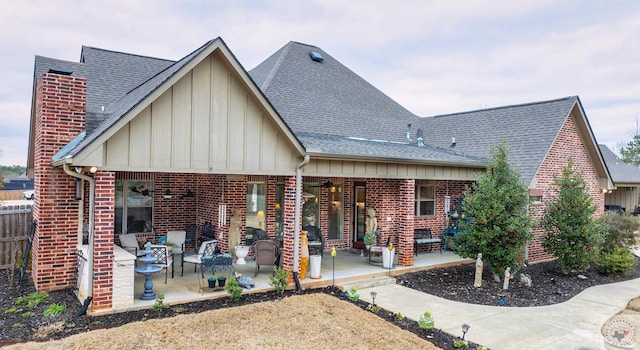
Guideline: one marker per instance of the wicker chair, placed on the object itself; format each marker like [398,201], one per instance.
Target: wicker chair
[266,253]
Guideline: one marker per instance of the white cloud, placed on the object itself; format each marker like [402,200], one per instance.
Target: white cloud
[433,57]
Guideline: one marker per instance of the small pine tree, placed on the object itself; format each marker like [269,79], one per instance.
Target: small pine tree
[572,233]
[498,203]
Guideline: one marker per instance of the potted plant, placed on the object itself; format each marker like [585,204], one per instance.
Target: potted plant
[212,281]
[221,281]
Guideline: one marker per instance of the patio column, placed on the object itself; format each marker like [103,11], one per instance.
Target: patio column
[103,283]
[406,200]
[288,213]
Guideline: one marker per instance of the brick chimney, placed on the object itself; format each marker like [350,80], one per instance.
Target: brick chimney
[60,116]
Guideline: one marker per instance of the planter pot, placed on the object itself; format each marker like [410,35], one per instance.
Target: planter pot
[212,282]
[315,261]
[387,257]
[222,281]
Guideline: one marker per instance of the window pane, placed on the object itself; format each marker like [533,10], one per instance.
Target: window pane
[429,192]
[429,208]
[256,205]
[336,212]
[310,207]
[139,220]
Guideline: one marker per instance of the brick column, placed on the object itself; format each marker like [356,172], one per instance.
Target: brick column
[103,240]
[406,200]
[288,213]
[59,118]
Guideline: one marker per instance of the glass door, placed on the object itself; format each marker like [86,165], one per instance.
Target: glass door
[359,213]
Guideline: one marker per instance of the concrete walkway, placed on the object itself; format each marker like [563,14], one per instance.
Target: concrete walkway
[574,324]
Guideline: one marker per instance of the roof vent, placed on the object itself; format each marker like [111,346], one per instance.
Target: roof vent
[60,71]
[316,56]
[420,139]
[453,142]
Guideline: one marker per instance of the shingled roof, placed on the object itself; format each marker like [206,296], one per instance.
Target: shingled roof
[528,130]
[621,172]
[110,76]
[334,112]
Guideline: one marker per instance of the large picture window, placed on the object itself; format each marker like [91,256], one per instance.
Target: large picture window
[425,200]
[134,206]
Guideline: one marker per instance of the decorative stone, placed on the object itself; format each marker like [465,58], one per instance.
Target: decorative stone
[526,280]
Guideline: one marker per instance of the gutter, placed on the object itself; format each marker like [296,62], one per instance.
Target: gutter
[92,207]
[296,220]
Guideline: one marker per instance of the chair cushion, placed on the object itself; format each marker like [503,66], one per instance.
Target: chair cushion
[427,240]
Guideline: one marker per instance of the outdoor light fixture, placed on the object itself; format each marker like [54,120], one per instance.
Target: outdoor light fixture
[189,193]
[93,169]
[465,329]
[167,194]
[373,297]
[78,169]
[78,184]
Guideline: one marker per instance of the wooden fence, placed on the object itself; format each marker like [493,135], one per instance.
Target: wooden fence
[15,222]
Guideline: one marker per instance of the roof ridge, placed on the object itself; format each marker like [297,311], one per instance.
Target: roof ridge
[504,107]
[121,53]
[173,64]
[276,66]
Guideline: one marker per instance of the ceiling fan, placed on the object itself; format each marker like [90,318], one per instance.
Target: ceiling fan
[327,184]
[143,190]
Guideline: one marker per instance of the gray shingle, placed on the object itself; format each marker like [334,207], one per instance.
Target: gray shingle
[620,171]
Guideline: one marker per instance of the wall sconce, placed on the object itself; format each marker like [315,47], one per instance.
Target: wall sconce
[78,194]
[167,194]
[93,169]
[189,193]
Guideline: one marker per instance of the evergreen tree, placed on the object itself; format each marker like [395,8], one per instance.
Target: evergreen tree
[573,234]
[630,153]
[497,203]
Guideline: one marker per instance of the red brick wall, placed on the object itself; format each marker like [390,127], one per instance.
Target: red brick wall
[60,117]
[103,240]
[568,144]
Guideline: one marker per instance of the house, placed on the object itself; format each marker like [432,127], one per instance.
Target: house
[626,179]
[126,143]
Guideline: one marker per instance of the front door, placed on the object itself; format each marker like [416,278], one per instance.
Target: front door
[359,214]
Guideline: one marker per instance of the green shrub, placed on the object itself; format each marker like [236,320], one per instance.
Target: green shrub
[233,288]
[353,294]
[572,234]
[620,230]
[32,300]
[159,304]
[279,280]
[54,310]
[426,321]
[619,261]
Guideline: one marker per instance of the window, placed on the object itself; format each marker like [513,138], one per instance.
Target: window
[256,205]
[336,212]
[425,200]
[134,206]
[310,207]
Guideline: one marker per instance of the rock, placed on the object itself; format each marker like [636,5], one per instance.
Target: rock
[526,280]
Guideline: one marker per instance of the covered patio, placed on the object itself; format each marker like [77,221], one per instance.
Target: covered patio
[350,266]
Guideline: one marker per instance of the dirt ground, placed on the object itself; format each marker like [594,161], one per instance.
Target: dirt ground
[317,321]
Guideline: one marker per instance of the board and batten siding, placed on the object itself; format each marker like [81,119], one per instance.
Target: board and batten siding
[371,169]
[624,196]
[207,122]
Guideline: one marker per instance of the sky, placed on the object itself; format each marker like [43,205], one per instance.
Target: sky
[432,57]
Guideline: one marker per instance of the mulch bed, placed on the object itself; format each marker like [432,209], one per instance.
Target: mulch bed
[550,286]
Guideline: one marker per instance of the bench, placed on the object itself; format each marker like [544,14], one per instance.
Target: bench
[423,236]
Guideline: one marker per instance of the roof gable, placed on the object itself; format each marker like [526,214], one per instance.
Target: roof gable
[120,114]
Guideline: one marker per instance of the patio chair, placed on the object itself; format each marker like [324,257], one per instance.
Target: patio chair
[314,236]
[177,239]
[207,248]
[129,242]
[163,259]
[266,253]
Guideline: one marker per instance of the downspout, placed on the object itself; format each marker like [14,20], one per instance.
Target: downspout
[92,207]
[296,219]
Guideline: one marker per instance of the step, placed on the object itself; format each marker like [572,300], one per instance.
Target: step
[367,282]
